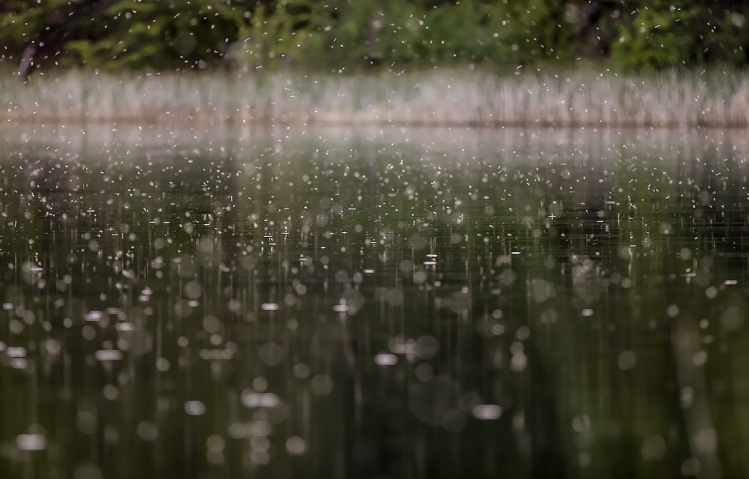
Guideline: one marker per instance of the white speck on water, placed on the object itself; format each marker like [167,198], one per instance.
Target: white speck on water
[269,306]
[111,392]
[251,399]
[195,408]
[296,445]
[259,457]
[427,347]
[587,312]
[16,352]
[321,384]
[627,360]
[260,384]
[732,318]
[523,333]
[686,397]
[271,353]
[216,443]
[424,372]
[93,316]
[487,412]
[31,442]
[653,448]
[731,282]
[301,371]
[706,440]
[518,362]
[234,305]
[581,423]
[394,297]
[18,363]
[108,355]
[162,364]
[237,430]
[216,354]
[549,316]
[699,358]
[497,329]
[386,359]
[690,467]
[400,346]
[211,324]
[193,290]
[147,431]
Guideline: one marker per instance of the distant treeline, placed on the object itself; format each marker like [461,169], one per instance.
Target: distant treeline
[344,35]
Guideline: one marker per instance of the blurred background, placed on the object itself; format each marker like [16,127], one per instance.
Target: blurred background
[344,35]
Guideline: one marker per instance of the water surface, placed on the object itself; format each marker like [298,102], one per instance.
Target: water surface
[387,303]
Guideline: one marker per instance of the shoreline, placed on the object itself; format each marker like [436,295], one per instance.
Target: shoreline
[272,123]
[430,98]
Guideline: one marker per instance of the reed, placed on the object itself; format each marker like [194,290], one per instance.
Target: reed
[436,97]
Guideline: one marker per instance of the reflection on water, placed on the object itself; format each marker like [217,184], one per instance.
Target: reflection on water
[355,304]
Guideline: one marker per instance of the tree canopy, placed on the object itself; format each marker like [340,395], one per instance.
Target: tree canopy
[342,35]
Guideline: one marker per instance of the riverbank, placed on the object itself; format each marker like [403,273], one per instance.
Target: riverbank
[430,98]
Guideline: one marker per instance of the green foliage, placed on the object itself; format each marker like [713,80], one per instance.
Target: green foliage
[658,38]
[666,34]
[350,36]
[161,34]
[276,35]
[342,35]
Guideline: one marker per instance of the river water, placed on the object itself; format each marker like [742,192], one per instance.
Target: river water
[373,303]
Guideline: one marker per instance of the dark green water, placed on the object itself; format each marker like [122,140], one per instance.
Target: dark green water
[338,303]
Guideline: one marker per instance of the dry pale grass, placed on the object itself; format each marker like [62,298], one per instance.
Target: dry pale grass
[439,97]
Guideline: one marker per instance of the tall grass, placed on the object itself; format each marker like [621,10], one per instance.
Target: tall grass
[438,97]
